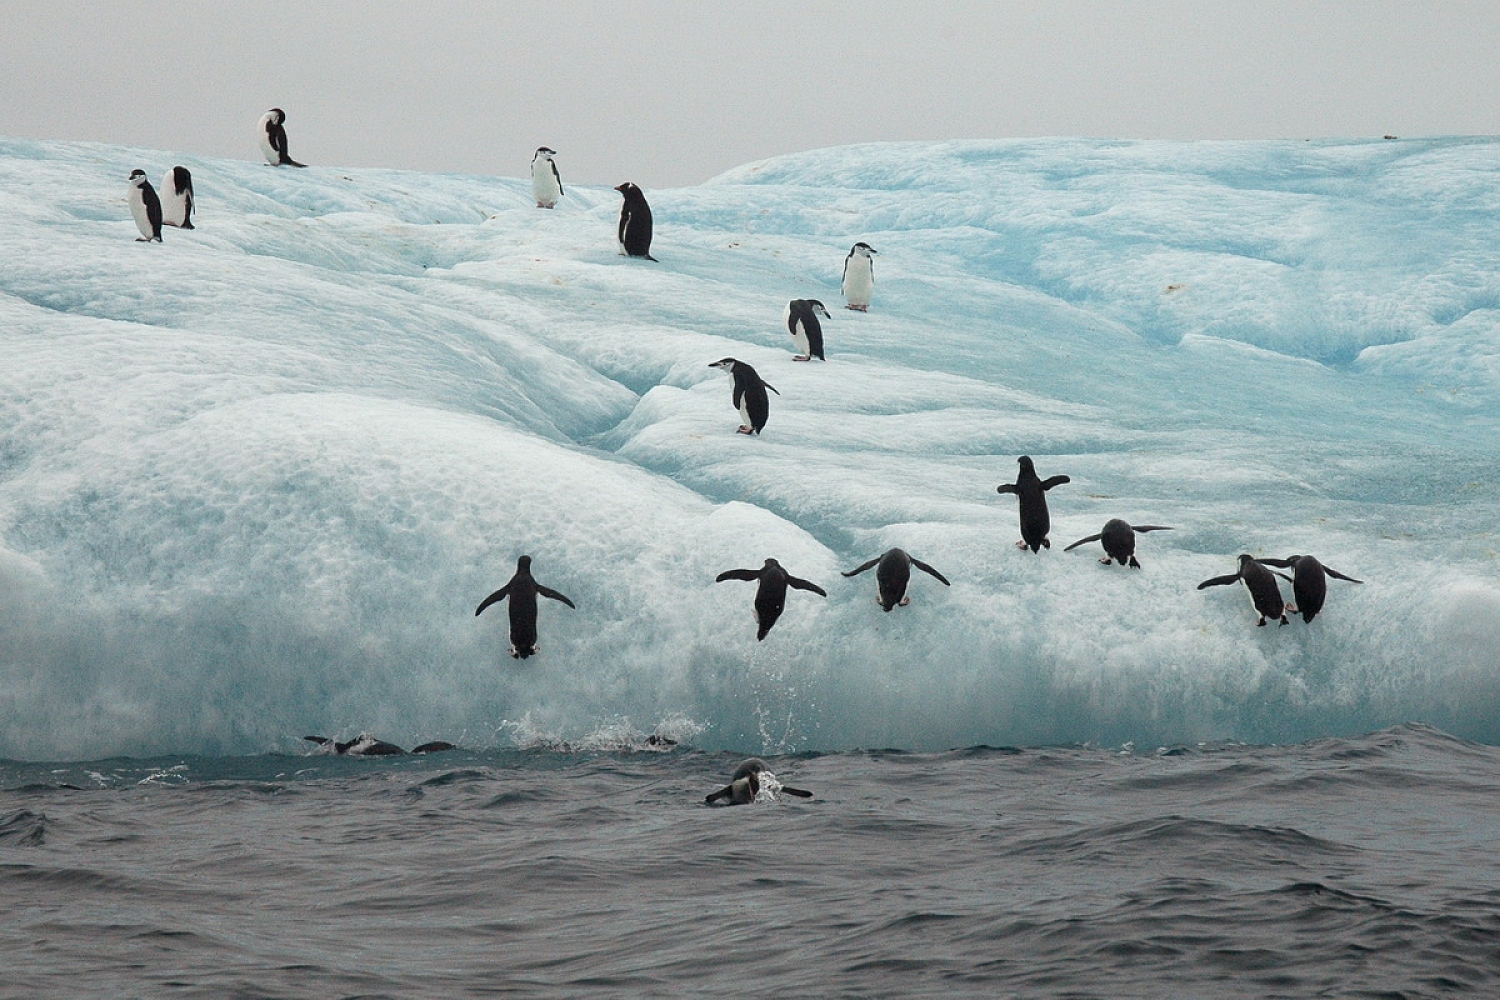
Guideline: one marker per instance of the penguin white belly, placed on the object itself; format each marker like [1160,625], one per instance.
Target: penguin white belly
[544,186]
[173,207]
[799,337]
[271,155]
[745,420]
[859,282]
[138,209]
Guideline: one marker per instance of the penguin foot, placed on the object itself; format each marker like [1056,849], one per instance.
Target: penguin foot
[187,225]
[746,430]
[1105,561]
[1134,563]
[801,357]
[904,601]
[860,309]
[1022,544]
[1262,621]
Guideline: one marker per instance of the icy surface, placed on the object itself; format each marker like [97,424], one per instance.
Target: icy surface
[254,480]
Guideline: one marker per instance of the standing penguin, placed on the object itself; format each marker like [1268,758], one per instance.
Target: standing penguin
[802,323]
[145,206]
[892,576]
[522,591]
[273,139]
[1118,539]
[1032,493]
[546,182]
[749,394]
[635,222]
[177,189]
[1265,593]
[1309,583]
[770,596]
[859,277]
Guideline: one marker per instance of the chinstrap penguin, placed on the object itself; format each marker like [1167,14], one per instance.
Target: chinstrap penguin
[365,745]
[1265,593]
[749,394]
[177,198]
[1031,490]
[272,137]
[635,222]
[802,323]
[522,591]
[893,575]
[1118,539]
[546,182]
[770,595]
[1309,583]
[859,277]
[747,781]
[145,206]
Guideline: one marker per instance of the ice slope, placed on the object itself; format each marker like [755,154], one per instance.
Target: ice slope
[254,480]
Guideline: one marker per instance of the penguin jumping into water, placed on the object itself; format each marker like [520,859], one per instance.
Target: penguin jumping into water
[1118,539]
[522,591]
[366,745]
[859,277]
[145,206]
[1265,593]
[807,332]
[770,596]
[273,139]
[635,223]
[1309,583]
[893,575]
[546,182]
[177,190]
[1031,490]
[746,782]
[749,394]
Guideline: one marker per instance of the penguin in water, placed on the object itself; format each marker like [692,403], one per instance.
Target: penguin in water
[522,591]
[1118,539]
[859,277]
[749,394]
[770,596]
[893,574]
[802,322]
[1265,593]
[145,206]
[1031,490]
[177,189]
[635,222]
[746,782]
[365,745]
[273,139]
[1309,583]
[546,182]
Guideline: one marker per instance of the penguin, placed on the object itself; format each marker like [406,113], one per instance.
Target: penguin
[177,188]
[366,745]
[1118,539]
[859,277]
[1265,594]
[802,322]
[522,591]
[273,139]
[546,182]
[635,223]
[770,596]
[749,394]
[1309,583]
[746,782]
[893,575]
[1032,492]
[145,206]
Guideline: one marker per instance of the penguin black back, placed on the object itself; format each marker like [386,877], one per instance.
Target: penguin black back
[522,591]
[1031,490]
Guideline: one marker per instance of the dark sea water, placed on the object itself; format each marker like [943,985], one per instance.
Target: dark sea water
[1339,868]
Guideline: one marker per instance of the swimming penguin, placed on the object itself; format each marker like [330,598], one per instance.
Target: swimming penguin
[635,222]
[1032,492]
[1309,583]
[770,596]
[273,139]
[749,394]
[546,182]
[522,591]
[1265,593]
[859,277]
[145,206]
[177,192]
[746,782]
[807,332]
[893,575]
[1118,539]
[365,745]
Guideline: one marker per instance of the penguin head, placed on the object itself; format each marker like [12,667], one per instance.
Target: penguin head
[627,189]
[137,178]
[818,307]
[1245,560]
[523,564]
[728,364]
[545,153]
[1026,464]
[862,250]
[277,116]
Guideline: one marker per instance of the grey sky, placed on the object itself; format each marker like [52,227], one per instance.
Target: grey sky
[671,93]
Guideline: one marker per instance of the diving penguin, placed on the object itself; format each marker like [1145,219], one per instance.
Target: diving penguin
[1309,583]
[1118,539]
[522,591]
[770,596]
[746,782]
[1265,593]
[1031,491]
[893,574]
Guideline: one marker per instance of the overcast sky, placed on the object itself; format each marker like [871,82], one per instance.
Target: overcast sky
[672,93]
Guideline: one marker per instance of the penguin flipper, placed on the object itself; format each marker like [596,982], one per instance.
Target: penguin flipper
[792,581]
[549,592]
[1085,541]
[723,793]
[929,570]
[1052,481]
[1152,527]
[1283,563]
[1282,575]
[1220,581]
[737,574]
[498,595]
[321,741]
[861,569]
[801,793]
[771,387]
[1007,488]
[1337,575]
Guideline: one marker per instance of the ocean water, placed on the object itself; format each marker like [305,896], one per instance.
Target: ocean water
[1336,868]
